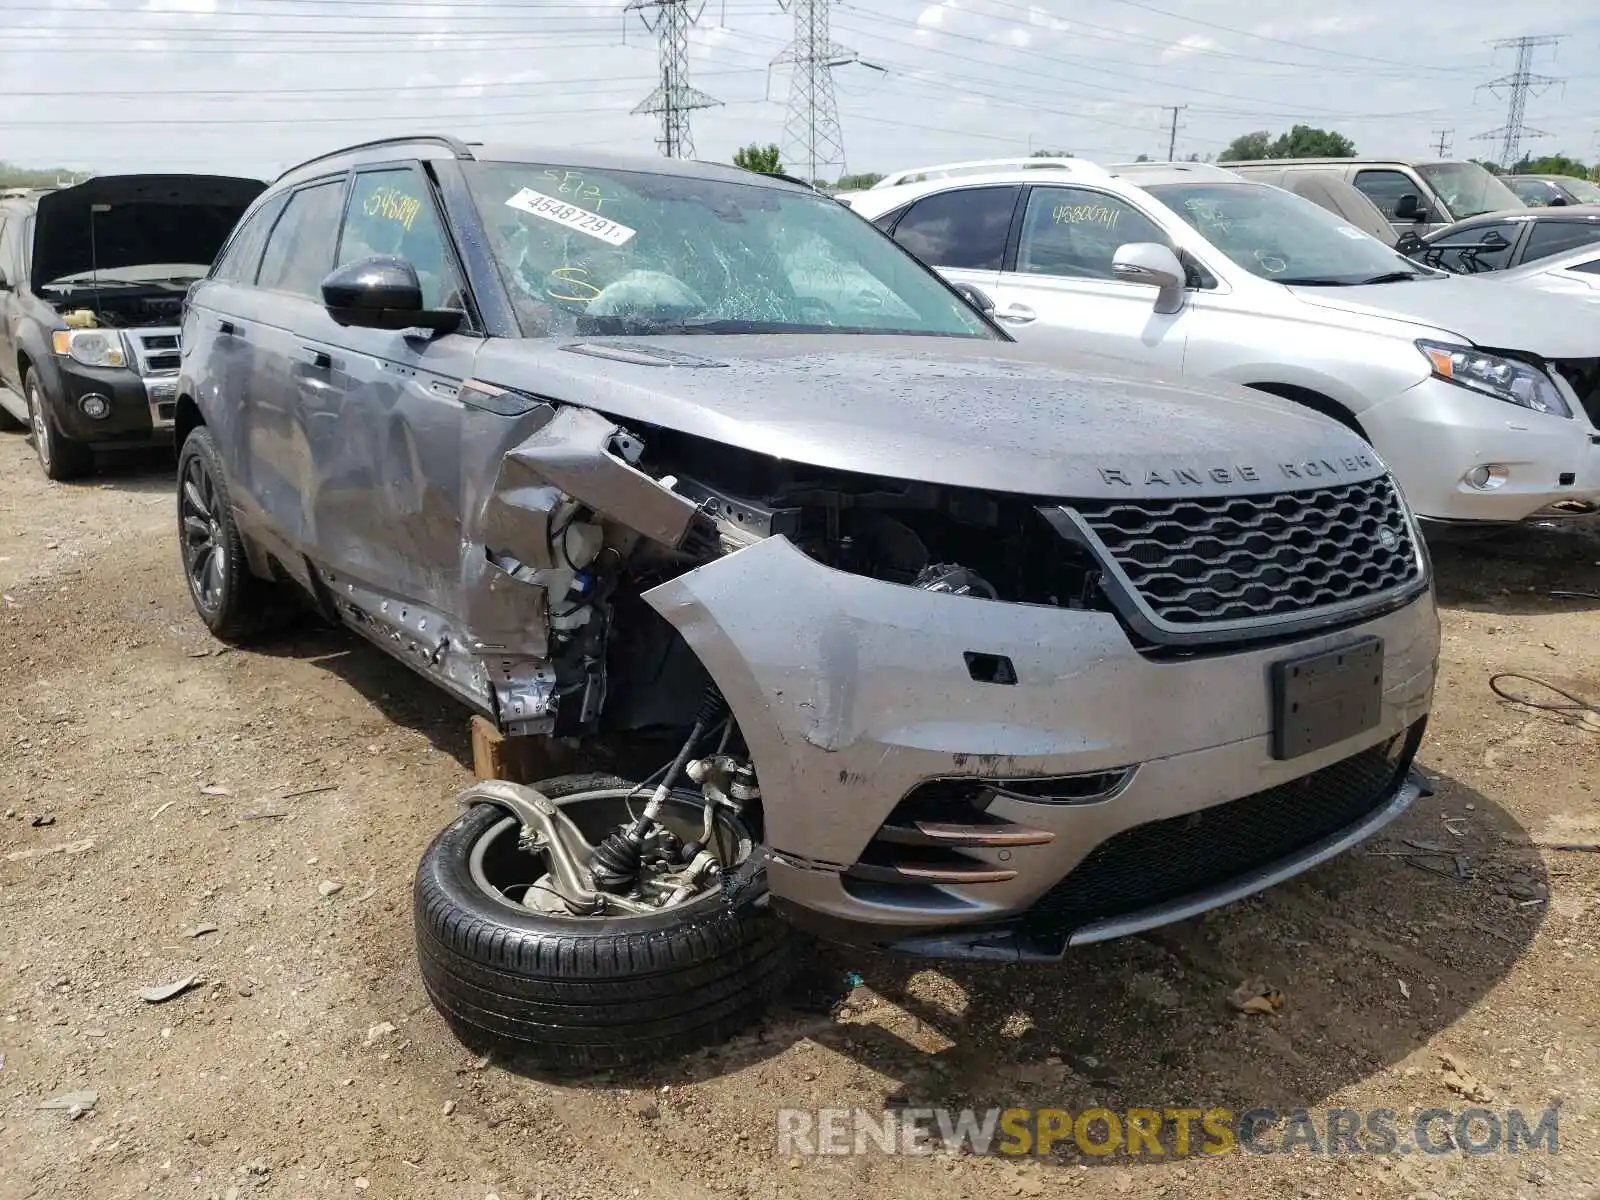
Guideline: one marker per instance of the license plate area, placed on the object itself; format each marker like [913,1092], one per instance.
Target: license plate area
[1324,698]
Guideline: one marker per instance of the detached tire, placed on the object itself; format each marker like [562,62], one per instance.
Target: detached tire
[585,993]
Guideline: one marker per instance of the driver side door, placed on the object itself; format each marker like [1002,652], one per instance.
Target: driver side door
[383,421]
[1060,290]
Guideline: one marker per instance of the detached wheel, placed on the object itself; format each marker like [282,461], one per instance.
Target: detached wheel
[576,993]
[231,601]
[61,458]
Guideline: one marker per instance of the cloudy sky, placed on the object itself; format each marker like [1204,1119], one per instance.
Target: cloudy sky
[251,86]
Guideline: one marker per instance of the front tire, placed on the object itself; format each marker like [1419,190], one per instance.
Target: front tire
[231,601]
[584,993]
[60,457]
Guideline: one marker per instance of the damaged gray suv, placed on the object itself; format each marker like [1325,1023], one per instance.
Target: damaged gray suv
[942,644]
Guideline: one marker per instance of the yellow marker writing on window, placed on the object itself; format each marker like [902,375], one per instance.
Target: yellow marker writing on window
[391,204]
[570,183]
[1087,214]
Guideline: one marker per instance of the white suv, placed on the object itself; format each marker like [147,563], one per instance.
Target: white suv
[1485,406]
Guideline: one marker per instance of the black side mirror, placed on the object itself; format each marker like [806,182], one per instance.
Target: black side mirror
[1410,208]
[977,297]
[5,284]
[1557,201]
[1494,240]
[382,293]
[1408,243]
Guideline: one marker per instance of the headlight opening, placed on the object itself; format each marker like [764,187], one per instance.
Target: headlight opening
[1507,379]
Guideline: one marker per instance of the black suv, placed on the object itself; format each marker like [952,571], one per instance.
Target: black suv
[92,280]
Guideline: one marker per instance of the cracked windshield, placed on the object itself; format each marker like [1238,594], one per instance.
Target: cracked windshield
[588,251]
[1280,237]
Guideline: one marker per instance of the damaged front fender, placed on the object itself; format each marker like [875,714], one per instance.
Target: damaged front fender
[850,690]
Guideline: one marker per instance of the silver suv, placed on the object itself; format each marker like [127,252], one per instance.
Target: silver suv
[1484,405]
[917,636]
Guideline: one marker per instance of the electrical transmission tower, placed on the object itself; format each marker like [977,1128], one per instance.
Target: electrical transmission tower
[1517,85]
[812,139]
[673,98]
[1444,136]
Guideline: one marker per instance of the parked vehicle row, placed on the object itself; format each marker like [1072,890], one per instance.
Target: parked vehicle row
[1530,217]
[1484,403]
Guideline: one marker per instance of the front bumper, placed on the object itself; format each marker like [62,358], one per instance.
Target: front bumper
[1432,434]
[850,692]
[142,407]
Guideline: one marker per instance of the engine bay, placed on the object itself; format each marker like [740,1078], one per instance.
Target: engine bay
[115,304]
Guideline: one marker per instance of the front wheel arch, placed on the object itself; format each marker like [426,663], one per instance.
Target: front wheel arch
[1317,402]
[186,420]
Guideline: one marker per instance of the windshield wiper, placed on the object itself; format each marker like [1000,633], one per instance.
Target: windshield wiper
[1312,281]
[1394,277]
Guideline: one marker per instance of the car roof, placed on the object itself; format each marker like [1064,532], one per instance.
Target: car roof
[1357,160]
[1561,212]
[431,146]
[1143,173]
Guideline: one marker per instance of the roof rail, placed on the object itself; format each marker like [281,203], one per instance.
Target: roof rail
[455,145]
[1174,164]
[1078,166]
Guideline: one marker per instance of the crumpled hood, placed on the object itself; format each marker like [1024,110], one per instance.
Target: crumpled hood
[1478,308]
[136,220]
[979,414]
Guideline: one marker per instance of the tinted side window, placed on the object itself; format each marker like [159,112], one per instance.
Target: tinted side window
[1534,192]
[1553,237]
[964,229]
[300,248]
[886,220]
[242,256]
[1075,232]
[1453,254]
[1384,188]
[392,212]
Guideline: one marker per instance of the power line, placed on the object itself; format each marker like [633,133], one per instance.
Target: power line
[812,137]
[1055,60]
[1261,37]
[1516,86]
[673,99]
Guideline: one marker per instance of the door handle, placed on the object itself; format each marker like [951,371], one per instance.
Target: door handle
[314,356]
[1016,314]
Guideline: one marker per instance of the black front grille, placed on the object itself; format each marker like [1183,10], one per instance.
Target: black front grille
[1203,560]
[1167,860]
[159,341]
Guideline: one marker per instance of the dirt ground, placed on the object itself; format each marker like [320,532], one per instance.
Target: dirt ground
[307,1062]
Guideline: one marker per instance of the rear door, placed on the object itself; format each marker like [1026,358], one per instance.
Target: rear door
[219,340]
[962,233]
[1557,235]
[278,420]
[1058,288]
[381,417]
[8,305]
